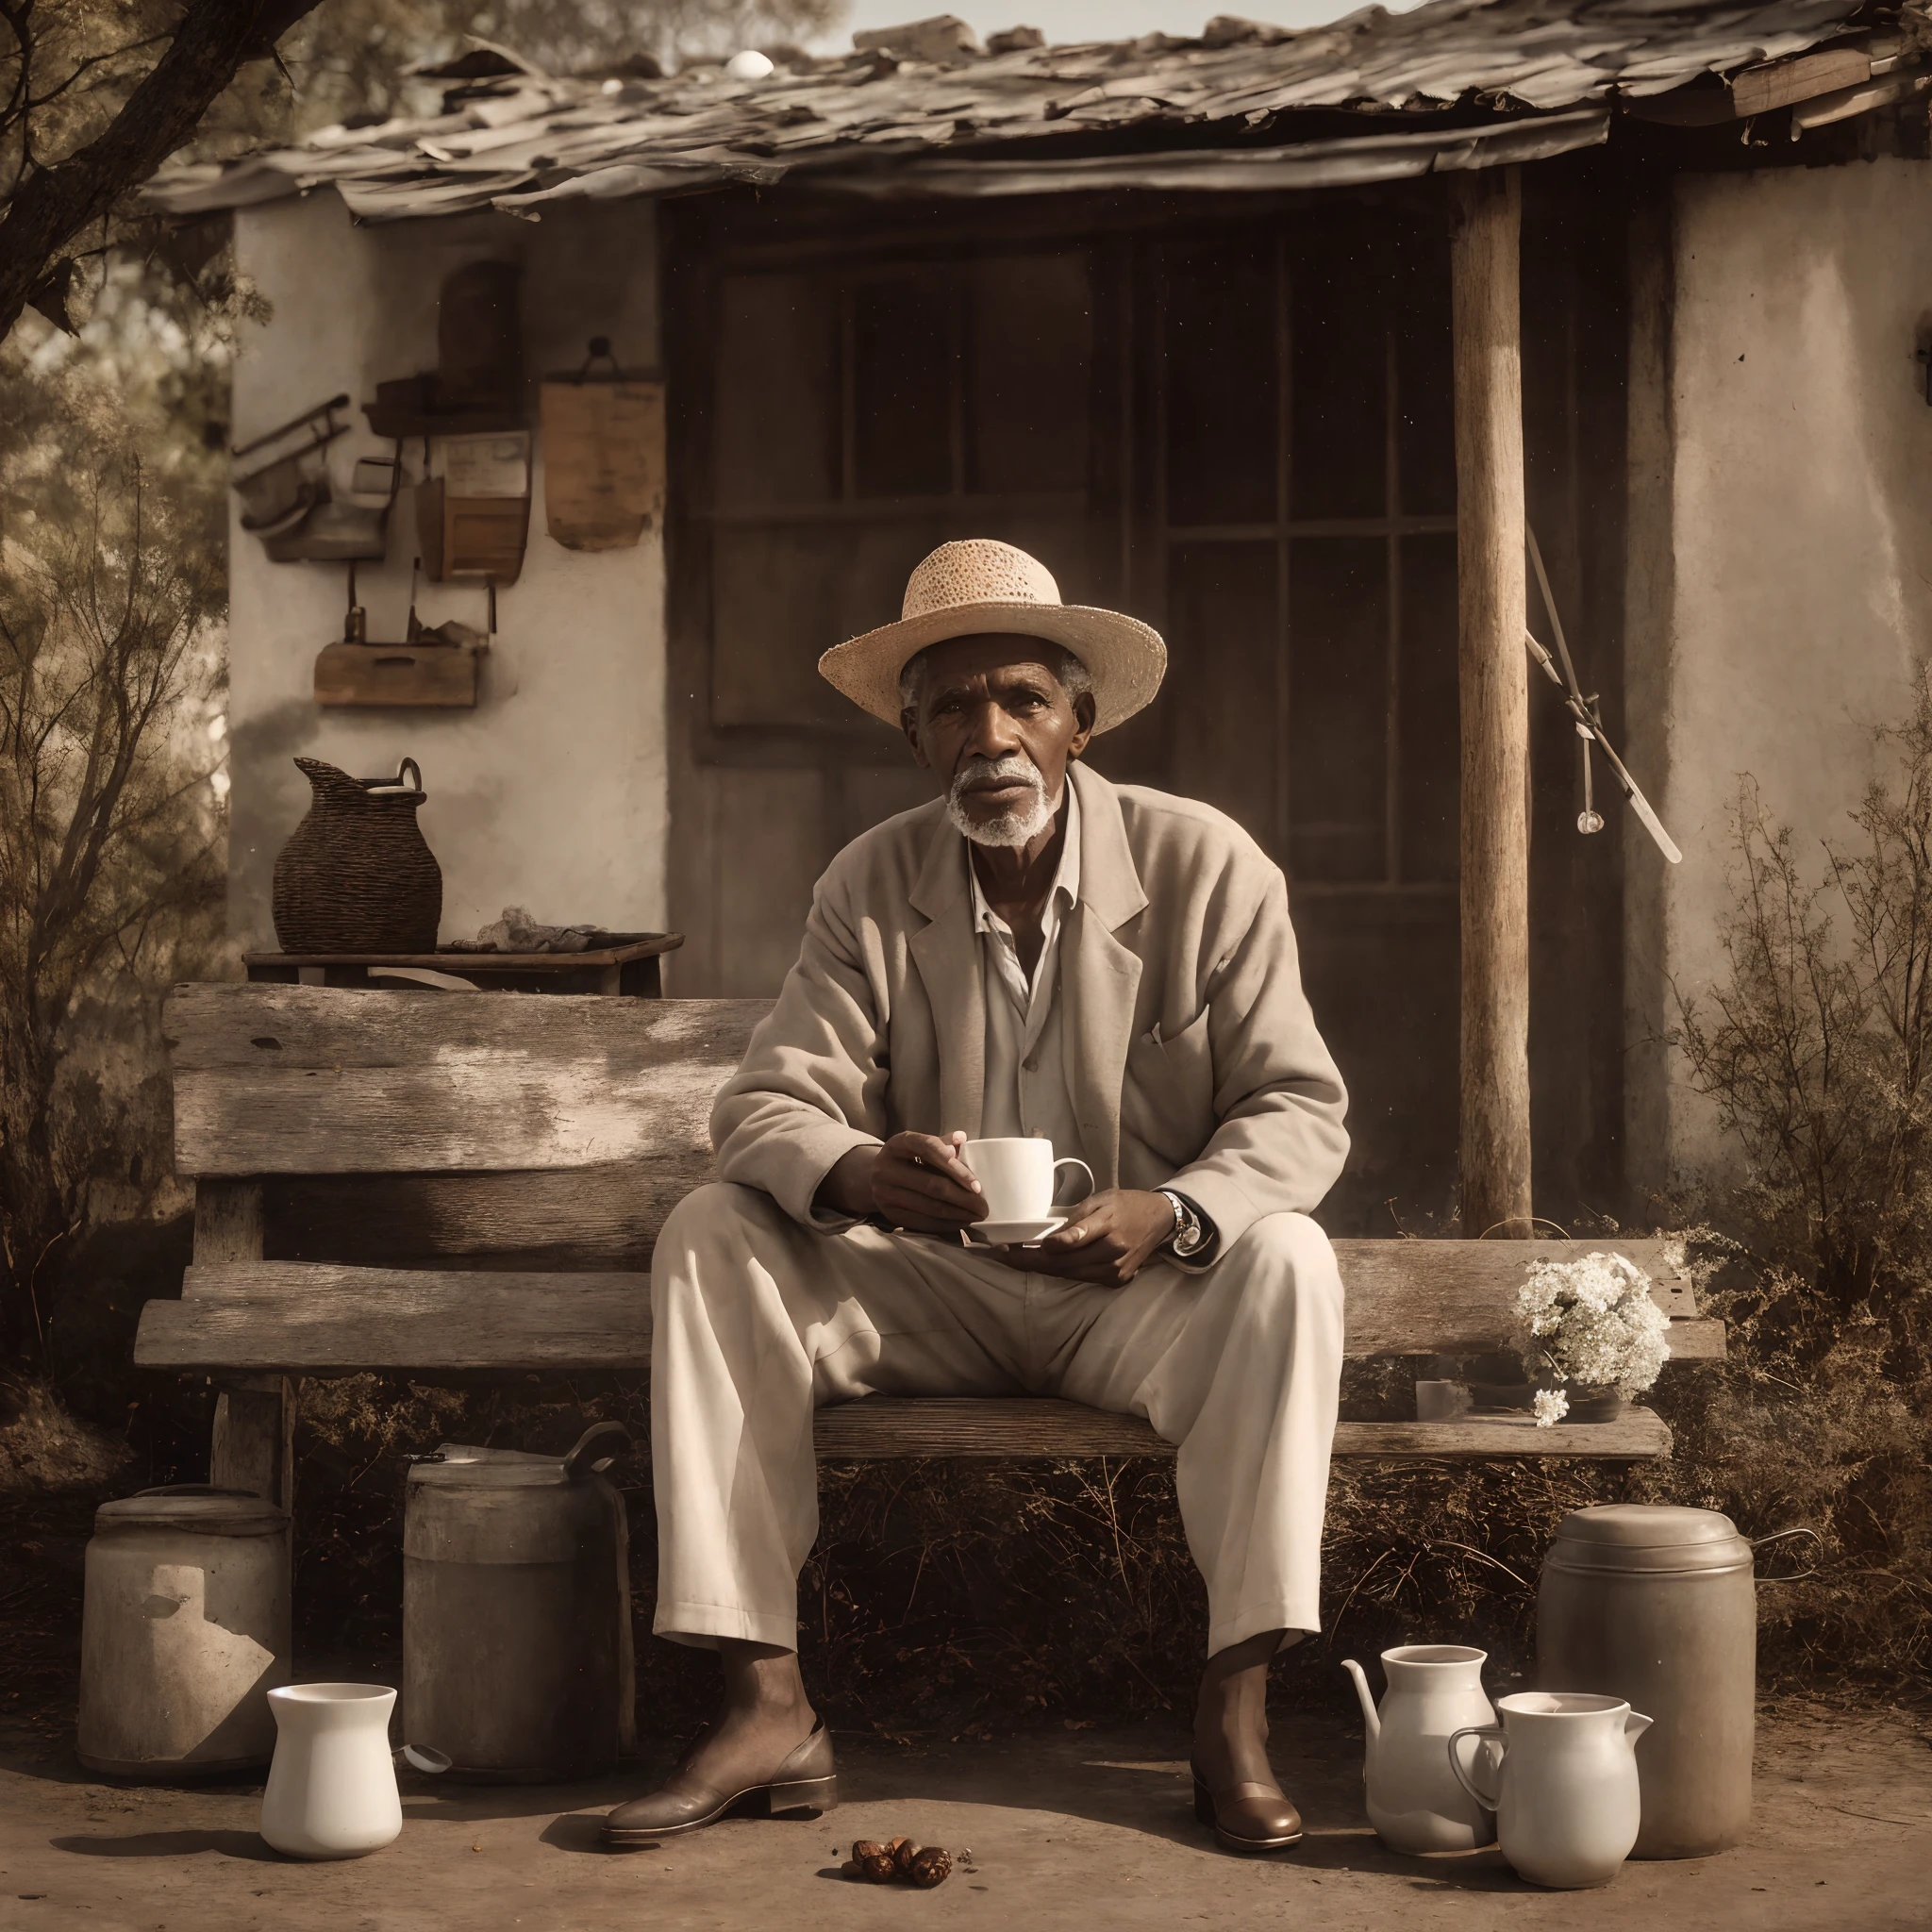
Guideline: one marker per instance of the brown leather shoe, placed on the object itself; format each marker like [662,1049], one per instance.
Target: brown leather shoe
[1248,1817]
[806,1781]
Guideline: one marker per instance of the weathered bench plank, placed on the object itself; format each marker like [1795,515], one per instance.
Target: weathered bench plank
[594,1218]
[883,1427]
[305,1080]
[320,1318]
[336,1320]
[566,1220]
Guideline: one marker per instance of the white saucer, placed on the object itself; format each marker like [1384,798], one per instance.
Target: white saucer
[1004,1234]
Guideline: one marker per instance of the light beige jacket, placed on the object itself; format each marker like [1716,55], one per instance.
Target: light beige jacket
[1193,1061]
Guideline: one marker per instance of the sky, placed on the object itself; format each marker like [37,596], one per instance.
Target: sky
[1091,19]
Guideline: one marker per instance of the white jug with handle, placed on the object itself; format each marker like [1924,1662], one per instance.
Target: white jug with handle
[1566,1798]
[332,1785]
[1416,1802]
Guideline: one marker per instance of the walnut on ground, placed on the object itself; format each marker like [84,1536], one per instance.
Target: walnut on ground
[901,1858]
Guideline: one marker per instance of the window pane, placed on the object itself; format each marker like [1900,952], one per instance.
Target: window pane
[779,399]
[1338,616]
[1222,632]
[902,376]
[1431,755]
[1340,380]
[1222,385]
[1031,345]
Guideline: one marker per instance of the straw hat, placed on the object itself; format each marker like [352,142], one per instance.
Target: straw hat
[977,585]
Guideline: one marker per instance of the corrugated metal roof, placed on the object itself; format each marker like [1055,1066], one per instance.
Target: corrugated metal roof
[524,140]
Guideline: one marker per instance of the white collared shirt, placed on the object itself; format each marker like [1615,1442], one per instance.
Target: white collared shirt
[1027,1091]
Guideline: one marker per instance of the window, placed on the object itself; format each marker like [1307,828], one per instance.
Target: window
[1308,523]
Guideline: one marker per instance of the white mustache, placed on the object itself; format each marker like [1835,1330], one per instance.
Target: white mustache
[1017,824]
[1011,766]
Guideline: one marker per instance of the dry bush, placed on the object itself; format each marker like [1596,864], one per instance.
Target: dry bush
[109,840]
[1816,1049]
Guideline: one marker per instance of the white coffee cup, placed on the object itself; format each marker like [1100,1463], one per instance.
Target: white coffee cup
[1019,1177]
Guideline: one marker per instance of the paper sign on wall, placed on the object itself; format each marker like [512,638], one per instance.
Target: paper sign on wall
[603,461]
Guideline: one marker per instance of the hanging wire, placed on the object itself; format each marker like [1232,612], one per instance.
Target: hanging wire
[1590,724]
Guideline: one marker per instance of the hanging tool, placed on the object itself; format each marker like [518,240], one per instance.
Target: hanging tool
[1589,722]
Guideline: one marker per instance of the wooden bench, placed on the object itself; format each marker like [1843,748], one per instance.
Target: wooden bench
[453,1184]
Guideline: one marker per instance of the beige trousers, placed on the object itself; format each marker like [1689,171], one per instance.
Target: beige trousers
[757,1321]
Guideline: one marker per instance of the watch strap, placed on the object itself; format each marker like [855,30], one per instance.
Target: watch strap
[1187,1235]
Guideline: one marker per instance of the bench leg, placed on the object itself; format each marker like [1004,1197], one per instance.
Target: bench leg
[254,1439]
[255,1415]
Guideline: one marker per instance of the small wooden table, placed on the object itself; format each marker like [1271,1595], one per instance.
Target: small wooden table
[621,963]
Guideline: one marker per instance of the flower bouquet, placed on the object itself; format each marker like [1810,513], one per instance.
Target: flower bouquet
[1591,1323]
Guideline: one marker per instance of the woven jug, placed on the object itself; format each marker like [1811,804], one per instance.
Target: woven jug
[357,877]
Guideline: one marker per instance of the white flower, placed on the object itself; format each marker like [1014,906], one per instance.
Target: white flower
[1593,1319]
[1552,1405]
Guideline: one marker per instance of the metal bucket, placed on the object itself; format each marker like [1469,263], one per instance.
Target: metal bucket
[184,1632]
[516,1612]
[1657,1605]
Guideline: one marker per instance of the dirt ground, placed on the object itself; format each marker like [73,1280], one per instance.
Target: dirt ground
[1066,1827]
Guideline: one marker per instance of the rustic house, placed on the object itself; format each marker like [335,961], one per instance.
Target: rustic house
[1227,332]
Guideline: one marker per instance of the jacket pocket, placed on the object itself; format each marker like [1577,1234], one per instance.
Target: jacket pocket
[1167,1100]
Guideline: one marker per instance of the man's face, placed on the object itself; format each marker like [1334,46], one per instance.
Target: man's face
[996,725]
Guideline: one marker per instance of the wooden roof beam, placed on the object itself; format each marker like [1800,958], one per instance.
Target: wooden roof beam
[1756,90]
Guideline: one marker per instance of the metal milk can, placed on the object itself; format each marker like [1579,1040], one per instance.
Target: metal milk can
[516,1612]
[1657,1605]
[184,1632]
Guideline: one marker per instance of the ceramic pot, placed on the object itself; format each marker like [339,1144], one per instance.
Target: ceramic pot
[1589,1403]
[332,1786]
[1565,1798]
[1416,1803]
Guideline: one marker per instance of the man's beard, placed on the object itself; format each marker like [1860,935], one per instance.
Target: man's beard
[1015,827]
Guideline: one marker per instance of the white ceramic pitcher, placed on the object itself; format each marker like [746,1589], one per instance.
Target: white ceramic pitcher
[1416,1802]
[332,1786]
[1566,1799]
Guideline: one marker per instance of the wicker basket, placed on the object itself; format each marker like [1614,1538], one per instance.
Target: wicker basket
[357,876]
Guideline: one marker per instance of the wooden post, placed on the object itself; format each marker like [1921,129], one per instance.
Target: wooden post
[255,1416]
[1493,680]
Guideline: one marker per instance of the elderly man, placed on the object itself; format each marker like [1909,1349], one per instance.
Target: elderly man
[1035,952]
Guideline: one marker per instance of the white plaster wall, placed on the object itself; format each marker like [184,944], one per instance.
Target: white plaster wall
[551,793]
[1801,520]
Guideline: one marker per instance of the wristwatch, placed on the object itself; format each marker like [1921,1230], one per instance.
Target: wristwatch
[1188,1236]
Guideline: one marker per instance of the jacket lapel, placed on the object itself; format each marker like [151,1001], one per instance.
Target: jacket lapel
[1100,978]
[946,954]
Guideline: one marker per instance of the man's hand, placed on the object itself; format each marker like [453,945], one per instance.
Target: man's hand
[914,1180]
[1107,1239]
